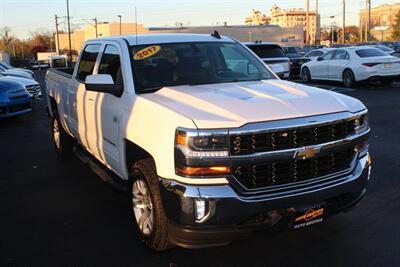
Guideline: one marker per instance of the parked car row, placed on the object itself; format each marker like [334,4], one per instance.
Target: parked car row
[14,98]
[22,76]
[351,65]
[348,64]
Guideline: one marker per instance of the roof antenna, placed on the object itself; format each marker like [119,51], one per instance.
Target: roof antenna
[215,34]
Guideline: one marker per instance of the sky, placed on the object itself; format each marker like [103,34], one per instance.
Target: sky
[27,16]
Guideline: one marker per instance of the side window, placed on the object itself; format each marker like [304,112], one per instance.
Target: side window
[110,64]
[328,55]
[341,54]
[87,61]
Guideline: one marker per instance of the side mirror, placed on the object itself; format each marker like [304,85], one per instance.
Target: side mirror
[103,83]
[320,58]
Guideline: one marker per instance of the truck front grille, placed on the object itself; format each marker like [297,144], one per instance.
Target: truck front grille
[245,144]
[254,176]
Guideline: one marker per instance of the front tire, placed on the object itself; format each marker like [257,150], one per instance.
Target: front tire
[348,78]
[305,75]
[63,142]
[148,212]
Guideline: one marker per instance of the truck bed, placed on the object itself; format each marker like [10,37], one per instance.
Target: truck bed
[66,72]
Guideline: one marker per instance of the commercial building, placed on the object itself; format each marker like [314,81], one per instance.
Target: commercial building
[383,17]
[245,33]
[296,17]
[79,37]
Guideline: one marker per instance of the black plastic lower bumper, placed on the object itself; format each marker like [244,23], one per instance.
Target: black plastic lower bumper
[200,237]
[234,217]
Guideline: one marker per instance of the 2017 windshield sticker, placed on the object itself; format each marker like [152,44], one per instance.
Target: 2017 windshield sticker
[147,52]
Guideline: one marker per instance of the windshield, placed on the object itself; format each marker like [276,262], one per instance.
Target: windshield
[267,51]
[291,51]
[156,66]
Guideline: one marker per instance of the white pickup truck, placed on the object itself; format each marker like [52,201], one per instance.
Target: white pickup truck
[213,146]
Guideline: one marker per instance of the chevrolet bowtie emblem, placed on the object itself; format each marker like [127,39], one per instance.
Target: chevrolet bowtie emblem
[306,152]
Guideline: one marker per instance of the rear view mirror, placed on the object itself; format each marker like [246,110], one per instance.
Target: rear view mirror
[103,83]
[320,58]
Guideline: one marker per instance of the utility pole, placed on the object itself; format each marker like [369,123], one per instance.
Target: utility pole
[120,25]
[344,22]
[69,34]
[307,21]
[57,36]
[316,23]
[95,26]
[369,19]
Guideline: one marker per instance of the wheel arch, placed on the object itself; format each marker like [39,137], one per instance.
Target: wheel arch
[309,71]
[348,68]
[52,105]
[134,153]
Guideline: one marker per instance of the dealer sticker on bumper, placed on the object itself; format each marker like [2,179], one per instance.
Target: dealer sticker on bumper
[309,217]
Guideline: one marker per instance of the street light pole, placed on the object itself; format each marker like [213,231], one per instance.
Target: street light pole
[69,34]
[307,21]
[57,36]
[120,24]
[316,23]
[344,22]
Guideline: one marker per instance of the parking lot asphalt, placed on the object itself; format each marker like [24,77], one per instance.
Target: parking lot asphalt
[58,213]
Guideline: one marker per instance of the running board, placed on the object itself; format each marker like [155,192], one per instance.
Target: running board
[105,175]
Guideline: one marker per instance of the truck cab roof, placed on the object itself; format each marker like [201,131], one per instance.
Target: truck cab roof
[143,39]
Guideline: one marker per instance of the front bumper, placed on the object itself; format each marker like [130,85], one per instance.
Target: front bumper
[233,216]
[15,108]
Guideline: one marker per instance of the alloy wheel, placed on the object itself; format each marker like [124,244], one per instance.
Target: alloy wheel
[142,206]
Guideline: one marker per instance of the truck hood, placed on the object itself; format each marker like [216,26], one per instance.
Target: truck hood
[235,104]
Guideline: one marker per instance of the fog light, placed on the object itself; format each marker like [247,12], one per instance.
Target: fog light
[200,209]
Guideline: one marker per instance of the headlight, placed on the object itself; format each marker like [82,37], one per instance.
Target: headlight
[202,143]
[201,153]
[361,124]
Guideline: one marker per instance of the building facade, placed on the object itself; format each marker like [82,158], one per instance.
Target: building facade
[381,16]
[79,37]
[296,17]
[257,18]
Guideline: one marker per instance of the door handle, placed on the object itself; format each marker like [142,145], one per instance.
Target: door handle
[91,100]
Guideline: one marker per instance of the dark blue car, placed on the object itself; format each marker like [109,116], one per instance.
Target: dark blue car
[14,99]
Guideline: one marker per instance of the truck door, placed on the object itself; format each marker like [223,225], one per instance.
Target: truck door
[105,110]
[77,94]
